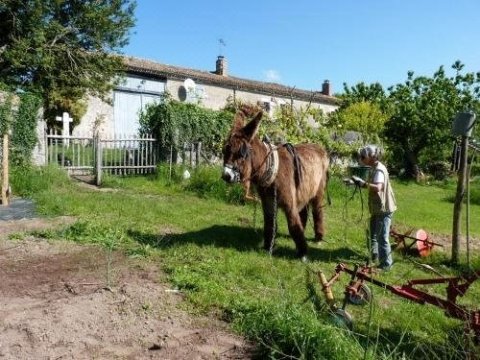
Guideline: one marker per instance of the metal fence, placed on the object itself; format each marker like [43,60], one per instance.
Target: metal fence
[95,155]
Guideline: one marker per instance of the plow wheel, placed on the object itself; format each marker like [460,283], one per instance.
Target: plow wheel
[361,296]
[342,318]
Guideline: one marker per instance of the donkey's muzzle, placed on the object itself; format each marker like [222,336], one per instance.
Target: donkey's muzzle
[230,174]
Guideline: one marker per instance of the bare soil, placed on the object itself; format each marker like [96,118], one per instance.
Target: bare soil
[60,300]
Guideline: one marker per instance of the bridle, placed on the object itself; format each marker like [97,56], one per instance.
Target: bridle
[271,160]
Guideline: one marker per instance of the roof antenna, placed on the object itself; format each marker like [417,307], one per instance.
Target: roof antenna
[221,46]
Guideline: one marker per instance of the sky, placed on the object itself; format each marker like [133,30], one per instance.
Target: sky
[304,42]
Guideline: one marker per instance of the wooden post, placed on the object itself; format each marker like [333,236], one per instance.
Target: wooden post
[5,182]
[457,207]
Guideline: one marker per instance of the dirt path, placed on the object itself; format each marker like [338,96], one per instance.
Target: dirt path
[60,300]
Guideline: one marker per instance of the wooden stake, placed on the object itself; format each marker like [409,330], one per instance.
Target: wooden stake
[5,182]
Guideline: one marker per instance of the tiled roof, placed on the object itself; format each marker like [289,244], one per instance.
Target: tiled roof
[147,67]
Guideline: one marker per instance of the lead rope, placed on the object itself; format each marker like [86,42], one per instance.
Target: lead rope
[254,220]
[274,230]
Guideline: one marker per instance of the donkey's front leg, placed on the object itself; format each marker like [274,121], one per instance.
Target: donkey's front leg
[269,207]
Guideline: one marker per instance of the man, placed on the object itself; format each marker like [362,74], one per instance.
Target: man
[381,204]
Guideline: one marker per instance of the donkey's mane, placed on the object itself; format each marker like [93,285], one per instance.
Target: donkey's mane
[249,111]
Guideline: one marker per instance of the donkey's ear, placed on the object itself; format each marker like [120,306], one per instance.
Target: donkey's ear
[251,129]
[238,121]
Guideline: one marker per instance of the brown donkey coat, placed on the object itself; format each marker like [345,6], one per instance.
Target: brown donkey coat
[294,184]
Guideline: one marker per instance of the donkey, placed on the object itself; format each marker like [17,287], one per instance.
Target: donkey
[288,177]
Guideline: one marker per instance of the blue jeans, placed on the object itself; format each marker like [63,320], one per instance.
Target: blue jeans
[379,239]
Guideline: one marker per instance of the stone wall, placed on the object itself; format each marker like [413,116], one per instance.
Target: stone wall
[99,116]
[39,155]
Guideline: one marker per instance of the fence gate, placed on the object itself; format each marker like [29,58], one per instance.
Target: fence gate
[95,155]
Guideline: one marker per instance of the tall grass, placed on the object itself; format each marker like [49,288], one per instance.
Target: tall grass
[209,244]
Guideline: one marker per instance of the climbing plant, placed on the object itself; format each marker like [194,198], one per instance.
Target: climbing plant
[19,118]
[24,136]
[176,123]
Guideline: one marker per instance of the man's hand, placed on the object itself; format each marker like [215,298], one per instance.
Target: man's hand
[359,181]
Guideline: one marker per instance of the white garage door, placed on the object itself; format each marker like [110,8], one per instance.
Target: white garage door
[130,98]
[127,107]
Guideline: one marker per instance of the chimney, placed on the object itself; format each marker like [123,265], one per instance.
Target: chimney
[221,66]
[326,88]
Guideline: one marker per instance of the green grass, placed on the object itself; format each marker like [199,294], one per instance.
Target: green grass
[209,244]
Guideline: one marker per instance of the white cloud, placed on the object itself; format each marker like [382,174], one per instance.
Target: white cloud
[271,75]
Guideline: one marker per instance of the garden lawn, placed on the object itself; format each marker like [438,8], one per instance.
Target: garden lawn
[211,250]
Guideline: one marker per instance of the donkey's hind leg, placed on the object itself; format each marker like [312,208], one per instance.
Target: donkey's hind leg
[318,223]
[304,216]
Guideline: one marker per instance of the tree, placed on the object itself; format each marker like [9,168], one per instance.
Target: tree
[422,113]
[63,49]
[363,117]
[373,93]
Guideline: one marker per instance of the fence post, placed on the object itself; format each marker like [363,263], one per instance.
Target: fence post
[5,182]
[98,159]
[198,153]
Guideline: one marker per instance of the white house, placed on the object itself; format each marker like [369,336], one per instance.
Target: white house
[145,81]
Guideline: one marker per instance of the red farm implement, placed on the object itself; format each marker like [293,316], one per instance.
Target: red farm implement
[357,292]
[415,243]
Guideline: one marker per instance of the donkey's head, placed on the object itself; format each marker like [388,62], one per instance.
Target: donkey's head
[237,150]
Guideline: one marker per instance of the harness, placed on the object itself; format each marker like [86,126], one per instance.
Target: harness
[271,163]
[297,170]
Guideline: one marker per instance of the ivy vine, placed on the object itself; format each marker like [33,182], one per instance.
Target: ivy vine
[175,123]
[20,119]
